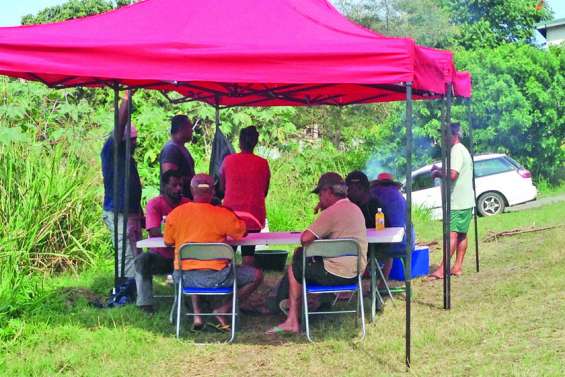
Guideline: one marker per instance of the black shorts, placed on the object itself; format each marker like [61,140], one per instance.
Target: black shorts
[315,271]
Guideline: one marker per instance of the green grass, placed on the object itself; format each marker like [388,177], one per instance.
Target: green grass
[506,320]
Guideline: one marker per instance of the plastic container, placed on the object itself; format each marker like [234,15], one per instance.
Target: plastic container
[379,220]
[420,264]
[271,260]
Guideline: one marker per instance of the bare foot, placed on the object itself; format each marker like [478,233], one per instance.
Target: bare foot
[284,327]
[456,272]
[436,275]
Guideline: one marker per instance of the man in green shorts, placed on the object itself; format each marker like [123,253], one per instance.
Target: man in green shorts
[462,201]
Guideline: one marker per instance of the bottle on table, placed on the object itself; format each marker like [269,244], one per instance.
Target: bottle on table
[379,220]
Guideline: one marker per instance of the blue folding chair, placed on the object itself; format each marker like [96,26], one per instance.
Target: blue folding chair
[332,249]
[206,251]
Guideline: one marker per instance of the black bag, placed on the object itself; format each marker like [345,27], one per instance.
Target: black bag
[221,147]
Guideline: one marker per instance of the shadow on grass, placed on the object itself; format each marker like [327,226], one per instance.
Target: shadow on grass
[72,305]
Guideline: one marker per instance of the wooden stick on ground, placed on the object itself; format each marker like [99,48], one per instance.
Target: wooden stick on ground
[493,236]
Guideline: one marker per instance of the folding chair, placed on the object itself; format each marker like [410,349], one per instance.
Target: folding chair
[332,249]
[206,251]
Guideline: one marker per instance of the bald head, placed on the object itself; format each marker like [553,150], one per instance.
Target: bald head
[202,188]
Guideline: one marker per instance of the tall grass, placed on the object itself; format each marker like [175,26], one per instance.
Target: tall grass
[50,219]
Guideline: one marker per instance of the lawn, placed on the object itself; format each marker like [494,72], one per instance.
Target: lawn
[506,320]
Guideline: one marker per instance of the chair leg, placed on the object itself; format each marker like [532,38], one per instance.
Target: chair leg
[360,295]
[305,309]
[179,306]
[233,311]
[173,308]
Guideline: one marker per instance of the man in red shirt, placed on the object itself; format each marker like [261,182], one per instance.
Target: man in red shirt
[158,260]
[244,178]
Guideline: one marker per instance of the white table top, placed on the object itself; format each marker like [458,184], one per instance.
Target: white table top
[387,235]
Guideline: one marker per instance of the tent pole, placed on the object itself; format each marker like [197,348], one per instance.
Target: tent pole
[470,115]
[447,277]
[408,264]
[217,111]
[444,213]
[115,145]
[127,167]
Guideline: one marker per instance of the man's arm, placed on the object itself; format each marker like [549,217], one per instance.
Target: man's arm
[268,180]
[123,115]
[436,173]
[307,237]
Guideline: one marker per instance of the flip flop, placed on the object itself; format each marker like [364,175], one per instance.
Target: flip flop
[219,327]
[278,331]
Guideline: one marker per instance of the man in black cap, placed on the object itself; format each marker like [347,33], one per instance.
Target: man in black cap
[358,193]
[340,218]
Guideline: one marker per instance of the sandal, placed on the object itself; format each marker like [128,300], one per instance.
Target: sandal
[219,327]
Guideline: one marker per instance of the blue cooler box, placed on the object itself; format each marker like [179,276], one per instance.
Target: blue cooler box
[420,264]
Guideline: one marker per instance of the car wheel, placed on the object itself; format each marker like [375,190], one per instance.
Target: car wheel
[490,204]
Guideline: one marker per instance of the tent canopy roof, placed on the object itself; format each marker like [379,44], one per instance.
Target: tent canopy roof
[228,52]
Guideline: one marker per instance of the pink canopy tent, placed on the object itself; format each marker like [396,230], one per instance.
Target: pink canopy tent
[228,52]
[237,53]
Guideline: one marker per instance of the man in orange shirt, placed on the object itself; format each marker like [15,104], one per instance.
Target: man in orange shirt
[200,221]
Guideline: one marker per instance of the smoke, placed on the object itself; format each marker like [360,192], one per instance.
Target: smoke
[393,160]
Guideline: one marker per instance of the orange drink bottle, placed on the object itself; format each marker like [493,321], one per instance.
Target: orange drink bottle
[379,220]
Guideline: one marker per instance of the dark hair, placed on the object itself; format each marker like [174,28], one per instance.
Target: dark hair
[359,178]
[455,129]
[248,138]
[178,122]
[166,177]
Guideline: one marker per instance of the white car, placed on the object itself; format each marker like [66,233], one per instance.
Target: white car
[500,182]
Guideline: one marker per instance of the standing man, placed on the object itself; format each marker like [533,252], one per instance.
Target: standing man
[244,178]
[158,260]
[462,201]
[135,213]
[340,218]
[175,156]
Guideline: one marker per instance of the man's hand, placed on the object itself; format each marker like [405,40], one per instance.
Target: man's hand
[318,208]
[436,172]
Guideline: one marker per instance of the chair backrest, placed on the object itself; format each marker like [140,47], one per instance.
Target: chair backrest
[333,248]
[206,251]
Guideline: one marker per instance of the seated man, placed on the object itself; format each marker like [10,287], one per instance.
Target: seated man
[387,191]
[158,260]
[200,221]
[358,192]
[340,218]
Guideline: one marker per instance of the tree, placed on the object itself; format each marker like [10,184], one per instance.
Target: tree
[72,9]
[490,23]
[425,20]
[518,96]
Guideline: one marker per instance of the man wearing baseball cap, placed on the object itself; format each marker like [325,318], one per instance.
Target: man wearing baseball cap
[200,221]
[135,213]
[387,191]
[462,201]
[340,218]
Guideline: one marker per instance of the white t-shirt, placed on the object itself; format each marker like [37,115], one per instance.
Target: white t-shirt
[462,196]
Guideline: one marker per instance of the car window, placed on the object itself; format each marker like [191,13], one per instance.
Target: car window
[422,181]
[514,162]
[492,166]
